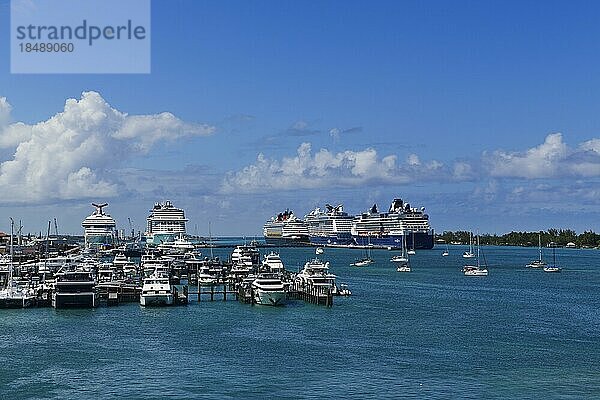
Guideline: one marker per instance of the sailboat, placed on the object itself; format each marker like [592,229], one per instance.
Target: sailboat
[367,260]
[469,254]
[476,270]
[446,252]
[553,267]
[402,260]
[14,295]
[538,263]
[412,250]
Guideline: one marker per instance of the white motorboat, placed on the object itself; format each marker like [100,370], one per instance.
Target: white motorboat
[205,277]
[403,268]
[272,263]
[319,250]
[446,253]
[268,290]
[157,291]
[315,274]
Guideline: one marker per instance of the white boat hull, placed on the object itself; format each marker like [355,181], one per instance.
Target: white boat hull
[476,272]
[403,269]
[150,300]
[270,298]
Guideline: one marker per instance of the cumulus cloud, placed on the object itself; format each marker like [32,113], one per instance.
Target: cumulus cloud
[551,159]
[5,109]
[70,155]
[324,168]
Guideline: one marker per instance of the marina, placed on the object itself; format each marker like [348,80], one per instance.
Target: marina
[430,308]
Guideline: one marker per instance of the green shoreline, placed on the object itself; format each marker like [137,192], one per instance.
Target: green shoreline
[560,238]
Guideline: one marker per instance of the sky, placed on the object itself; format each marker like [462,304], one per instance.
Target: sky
[484,113]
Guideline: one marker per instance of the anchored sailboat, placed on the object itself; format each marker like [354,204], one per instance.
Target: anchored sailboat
[539,263]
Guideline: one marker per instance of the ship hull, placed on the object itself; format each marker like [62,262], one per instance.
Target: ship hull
[267,298]
[422,240]
[287,242]
[74,300]
[340,239]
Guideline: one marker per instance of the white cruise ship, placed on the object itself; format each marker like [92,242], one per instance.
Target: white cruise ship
[99,228]
[331,227]
[285,229]
[165,223]
[388,229]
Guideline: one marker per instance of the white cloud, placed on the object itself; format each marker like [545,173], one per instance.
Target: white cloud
[5,109]
[70,155]
[325,169]
[538,162]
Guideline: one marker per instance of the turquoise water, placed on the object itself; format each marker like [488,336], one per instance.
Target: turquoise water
[431,333]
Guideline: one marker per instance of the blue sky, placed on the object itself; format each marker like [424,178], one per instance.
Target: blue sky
[461,103]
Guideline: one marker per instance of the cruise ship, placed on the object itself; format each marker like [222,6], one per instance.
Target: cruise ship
[99,228]
[165,223]
[330,227]
[285,229]
[387,229]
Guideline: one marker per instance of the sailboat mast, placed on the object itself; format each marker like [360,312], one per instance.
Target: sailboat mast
[10,267]
[477,251]
[210,241]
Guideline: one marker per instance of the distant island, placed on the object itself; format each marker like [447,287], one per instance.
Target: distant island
[560,237]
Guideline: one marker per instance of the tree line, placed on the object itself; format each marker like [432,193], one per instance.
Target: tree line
[560,237]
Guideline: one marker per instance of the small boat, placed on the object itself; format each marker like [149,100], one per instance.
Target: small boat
[412,251]
[403,268]
[446,253]
[363,262]
[469,253]
[367,260]
[319,250]
[402,260]
[343,290]
[539,263]
[553,268]
[476,270]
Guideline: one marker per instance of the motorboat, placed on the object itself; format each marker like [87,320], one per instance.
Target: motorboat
[272,263]
[75,289]
[268,290]
[157,291]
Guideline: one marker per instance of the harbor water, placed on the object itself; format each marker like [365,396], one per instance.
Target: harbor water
[431,333]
